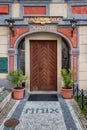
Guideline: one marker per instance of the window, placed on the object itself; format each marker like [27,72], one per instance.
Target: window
[65,55]
[21,56]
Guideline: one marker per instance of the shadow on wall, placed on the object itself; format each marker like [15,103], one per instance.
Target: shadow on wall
[5,83]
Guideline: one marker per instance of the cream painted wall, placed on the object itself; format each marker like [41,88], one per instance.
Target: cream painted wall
[83,84]
[3,39]
[83,48]
[3,45]
[83,66]
[43,36]
[15,10]
[83,39]
[3,48]
[83,57]
[3,76]
[83,30]
[58,9]
[3,31]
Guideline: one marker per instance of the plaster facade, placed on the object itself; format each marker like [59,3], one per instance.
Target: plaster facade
[61,30]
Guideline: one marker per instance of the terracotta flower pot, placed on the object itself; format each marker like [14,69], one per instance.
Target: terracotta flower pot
[18,93]
[67,93]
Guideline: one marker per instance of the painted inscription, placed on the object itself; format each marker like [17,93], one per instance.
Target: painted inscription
[35,27]
[41,110]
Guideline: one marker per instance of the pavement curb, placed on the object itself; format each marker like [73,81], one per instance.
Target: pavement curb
[3,103]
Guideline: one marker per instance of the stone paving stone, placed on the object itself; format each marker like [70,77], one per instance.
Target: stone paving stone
[43,115]
[70,124]
[6,110]
[9,114]
[80,117]
[78,125]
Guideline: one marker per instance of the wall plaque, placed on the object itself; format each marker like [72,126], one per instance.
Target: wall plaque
[3,64]
[43,27]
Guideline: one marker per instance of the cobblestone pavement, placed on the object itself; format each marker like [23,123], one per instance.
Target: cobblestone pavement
[80,116]
[56,115]
[4,112]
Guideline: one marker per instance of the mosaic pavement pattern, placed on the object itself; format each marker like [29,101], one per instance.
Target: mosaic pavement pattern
[56,115]
[42,116]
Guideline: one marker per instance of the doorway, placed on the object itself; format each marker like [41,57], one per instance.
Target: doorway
[43,65]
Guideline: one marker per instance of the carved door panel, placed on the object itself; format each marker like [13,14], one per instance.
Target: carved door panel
[43,67]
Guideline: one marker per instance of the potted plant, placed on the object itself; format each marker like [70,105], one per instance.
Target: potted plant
[67,76]
[17,78]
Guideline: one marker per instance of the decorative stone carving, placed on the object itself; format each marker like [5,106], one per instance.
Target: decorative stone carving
[43,20]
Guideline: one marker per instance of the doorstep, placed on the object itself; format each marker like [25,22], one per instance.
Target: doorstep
[43,92]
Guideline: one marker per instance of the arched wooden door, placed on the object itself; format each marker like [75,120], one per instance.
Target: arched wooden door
[43,65]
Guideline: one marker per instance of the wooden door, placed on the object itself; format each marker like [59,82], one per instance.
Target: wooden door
[43,65]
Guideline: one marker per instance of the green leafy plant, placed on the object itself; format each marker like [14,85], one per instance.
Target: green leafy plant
[67,76]
[16,77]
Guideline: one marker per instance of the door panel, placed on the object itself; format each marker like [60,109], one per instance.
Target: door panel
[44,65]
[43,68]
[34,66]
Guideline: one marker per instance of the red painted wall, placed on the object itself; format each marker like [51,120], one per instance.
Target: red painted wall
[4,9]
[11,63]
[16,33]
[75,68]
[79,9]
[34,10]
[67,32]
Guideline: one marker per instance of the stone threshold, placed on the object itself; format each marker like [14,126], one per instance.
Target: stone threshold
[43,92]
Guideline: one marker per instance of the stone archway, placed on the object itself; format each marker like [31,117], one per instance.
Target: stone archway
[48,36]
[17,41]
[44,36]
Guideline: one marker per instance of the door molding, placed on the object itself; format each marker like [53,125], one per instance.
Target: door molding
[43,36]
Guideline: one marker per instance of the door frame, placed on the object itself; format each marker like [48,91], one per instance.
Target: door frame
[43,36]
